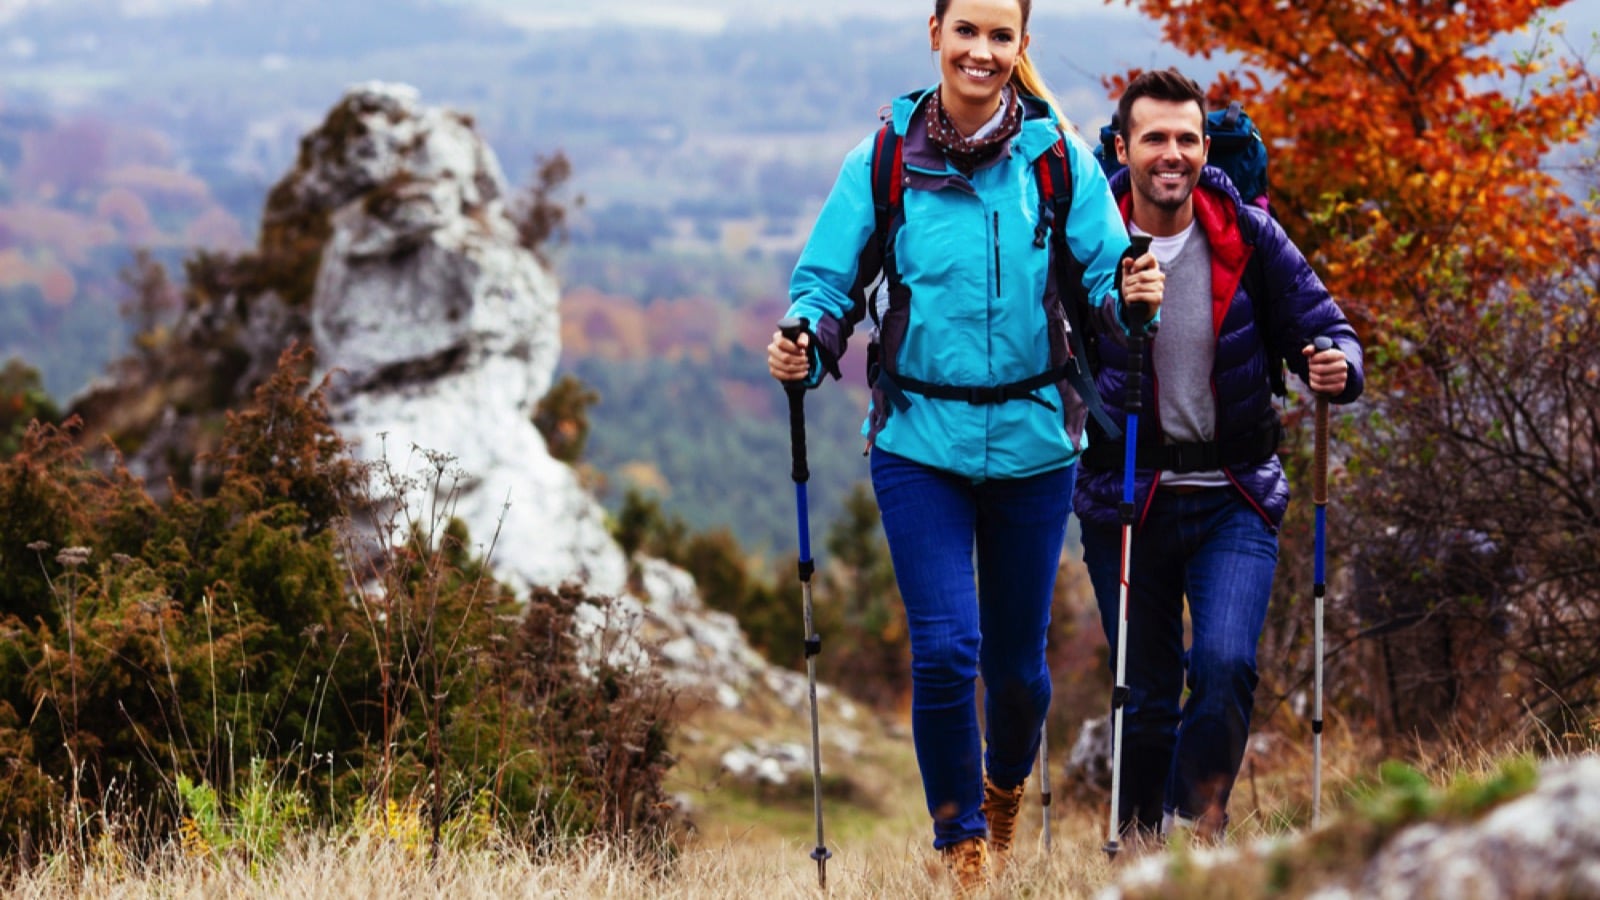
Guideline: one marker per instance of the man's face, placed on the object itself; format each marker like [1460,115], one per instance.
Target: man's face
[1164,150]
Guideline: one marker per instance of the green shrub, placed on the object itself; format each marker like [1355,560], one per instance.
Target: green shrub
[246,660]
[22,400]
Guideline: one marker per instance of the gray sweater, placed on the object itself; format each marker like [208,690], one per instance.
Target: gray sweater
[1183,352]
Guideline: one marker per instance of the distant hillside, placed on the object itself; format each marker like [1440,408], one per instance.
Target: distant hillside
[113,30]
[77,197]
[688,413]
[700,156]
[720,144]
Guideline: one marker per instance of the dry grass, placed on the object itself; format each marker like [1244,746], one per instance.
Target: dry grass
[365,868]
[737,842]
[767,855]
[740,842]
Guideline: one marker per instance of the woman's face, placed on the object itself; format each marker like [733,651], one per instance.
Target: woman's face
[978,44]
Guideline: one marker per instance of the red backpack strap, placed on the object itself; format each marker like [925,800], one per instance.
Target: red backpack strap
[1055,189]
[888,174]
[888,186]
[1055,206]
[1055,182]
[888,189]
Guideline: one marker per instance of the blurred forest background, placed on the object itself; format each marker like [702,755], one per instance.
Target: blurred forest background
[697,159]
[679,153]
[161,126]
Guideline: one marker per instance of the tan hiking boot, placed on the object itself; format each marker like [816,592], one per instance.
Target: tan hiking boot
[1000,807]
[968,863]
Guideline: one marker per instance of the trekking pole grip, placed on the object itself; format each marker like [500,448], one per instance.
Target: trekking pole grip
[792,328]
[1138,246]
[1138,316]
[1319,459]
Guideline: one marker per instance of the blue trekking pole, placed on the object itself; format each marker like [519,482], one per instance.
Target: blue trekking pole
[1125,511]
[792,328]
[1319,496]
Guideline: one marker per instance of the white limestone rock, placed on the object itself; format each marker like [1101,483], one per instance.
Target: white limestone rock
[1089,761]
[442,333]
[1545,843]
[767,762]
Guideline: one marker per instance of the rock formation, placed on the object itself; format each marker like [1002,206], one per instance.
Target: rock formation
[389,248]
[441,332]
[1544,843]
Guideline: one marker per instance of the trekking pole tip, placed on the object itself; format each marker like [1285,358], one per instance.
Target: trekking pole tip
[822,854]
[1111,849]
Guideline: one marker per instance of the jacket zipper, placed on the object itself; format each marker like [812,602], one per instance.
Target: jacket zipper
[997,253]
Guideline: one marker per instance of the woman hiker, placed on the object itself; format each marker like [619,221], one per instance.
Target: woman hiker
[973,428]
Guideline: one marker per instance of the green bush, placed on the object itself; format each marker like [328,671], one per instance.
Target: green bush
[23,399]
[157,655]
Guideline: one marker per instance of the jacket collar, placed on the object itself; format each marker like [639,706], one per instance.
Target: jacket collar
[1217,208]
[1040,131]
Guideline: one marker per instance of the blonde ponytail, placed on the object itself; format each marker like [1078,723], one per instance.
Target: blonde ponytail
[1026,78]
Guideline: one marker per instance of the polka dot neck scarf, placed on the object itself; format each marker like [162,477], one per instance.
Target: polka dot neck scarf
[968,153]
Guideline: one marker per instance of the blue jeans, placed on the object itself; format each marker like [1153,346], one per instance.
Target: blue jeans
[1212,548]
[963,621]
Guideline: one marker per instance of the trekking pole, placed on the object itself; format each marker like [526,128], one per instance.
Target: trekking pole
[1044,782]
[1125,512]
[792,328]
[1319,589]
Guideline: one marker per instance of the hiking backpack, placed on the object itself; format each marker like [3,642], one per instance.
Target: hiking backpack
[1055,203]
[1239,151]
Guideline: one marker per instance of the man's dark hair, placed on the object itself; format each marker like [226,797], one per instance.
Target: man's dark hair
[1164,84]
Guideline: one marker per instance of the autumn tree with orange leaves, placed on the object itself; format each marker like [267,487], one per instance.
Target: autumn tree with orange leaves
[1410,160]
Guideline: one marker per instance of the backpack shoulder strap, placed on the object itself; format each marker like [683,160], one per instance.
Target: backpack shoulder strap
[888,190]
[1055,191]
[1255,285]
[888,186]
[1055,181]
[1055,206]
[888,175]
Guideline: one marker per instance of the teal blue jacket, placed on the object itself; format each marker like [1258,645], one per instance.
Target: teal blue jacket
[981,309]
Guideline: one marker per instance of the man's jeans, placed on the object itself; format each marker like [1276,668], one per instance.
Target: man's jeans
[961,622]
[1210,546]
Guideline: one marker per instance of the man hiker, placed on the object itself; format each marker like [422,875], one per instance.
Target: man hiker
[1209,489]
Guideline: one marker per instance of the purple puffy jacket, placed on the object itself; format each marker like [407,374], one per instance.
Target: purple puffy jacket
[1303,310]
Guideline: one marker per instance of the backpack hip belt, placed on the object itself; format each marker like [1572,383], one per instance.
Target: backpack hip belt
[1251,448]
[894,385]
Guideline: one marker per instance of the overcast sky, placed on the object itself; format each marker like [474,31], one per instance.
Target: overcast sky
[713,14]
[710,15]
